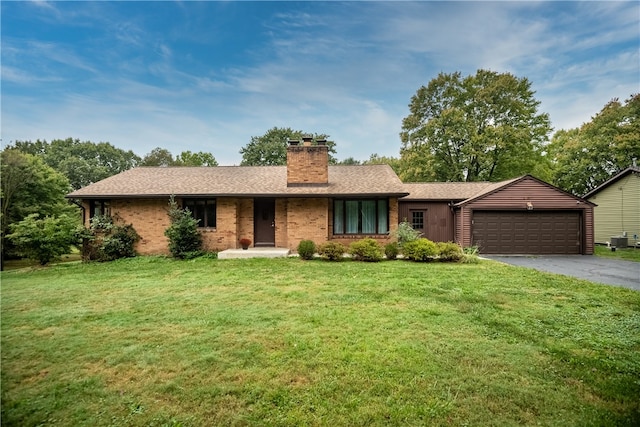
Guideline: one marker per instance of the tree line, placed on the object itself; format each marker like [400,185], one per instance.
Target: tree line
[482,127]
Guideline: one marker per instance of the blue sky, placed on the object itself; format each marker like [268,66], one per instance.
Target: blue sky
[207,76]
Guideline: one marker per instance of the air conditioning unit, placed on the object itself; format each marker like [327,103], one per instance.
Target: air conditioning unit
[619,241]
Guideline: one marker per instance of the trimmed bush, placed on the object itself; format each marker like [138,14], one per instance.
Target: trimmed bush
[391,250]
[366,250]
[420,250]
[306,249]
[449,251]
[332,251]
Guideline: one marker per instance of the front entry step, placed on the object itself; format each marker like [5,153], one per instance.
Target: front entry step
[254,253]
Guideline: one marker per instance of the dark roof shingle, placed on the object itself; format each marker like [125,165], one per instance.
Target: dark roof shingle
[266,181]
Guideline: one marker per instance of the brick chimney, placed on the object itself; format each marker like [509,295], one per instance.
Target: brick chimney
[307,164]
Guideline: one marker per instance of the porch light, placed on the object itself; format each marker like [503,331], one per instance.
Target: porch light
[529,206]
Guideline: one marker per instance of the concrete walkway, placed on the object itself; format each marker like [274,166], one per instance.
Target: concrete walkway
[254,253]
[593,268]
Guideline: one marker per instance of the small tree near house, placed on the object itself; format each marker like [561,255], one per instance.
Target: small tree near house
[185,241]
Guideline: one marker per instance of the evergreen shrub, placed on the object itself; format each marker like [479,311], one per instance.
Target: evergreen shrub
[306,249]
[366,250]
[420,250]
[449,251]
[185,242]
[332,251]
[391,250]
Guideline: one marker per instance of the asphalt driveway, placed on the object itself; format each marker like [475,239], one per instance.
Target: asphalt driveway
[595,269]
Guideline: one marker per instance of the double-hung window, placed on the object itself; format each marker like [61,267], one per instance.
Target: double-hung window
[360,216]
[204,210]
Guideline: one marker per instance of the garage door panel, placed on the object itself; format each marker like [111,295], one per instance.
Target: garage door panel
[528,232]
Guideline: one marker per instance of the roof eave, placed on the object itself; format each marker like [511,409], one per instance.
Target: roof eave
[252,195]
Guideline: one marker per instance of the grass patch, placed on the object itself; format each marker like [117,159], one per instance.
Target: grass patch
[629,254]
[153,341]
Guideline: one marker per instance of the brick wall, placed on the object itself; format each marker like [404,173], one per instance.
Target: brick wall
[296,219]
[244,213]
[149,218]
[307,219]
[281,223]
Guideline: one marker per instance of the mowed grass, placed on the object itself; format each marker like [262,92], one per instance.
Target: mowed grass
[156,342]
[629,254]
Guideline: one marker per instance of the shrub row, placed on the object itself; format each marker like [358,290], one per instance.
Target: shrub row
[369,250]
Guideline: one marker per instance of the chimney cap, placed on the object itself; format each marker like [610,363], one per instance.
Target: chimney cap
[322,141]
[307,137]
[293,142]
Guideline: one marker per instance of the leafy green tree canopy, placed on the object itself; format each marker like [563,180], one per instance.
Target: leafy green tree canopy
[163,157]
[44,239]
[395,163]
[270,149]
[586,157]
[29,187]
[483,127]
[158,157]
[187,158]
[82,162]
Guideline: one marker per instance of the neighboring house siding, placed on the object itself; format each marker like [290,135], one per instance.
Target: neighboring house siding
[438,220]
[618,209]
[515,197]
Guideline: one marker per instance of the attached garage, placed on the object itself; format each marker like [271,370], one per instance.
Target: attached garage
[518,232]
[525,216]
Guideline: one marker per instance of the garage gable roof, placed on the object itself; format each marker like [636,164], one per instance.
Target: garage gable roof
[266,181]
[497,186]
[612,180]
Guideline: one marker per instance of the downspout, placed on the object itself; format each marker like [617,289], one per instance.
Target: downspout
[84,211]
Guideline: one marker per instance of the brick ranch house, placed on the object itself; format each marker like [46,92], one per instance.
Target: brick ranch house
[274,206]
[278,206]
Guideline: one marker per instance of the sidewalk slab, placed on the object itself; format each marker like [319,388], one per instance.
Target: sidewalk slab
[254,253]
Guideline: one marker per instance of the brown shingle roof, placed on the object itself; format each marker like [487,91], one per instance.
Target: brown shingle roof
[264,181]
[443,190]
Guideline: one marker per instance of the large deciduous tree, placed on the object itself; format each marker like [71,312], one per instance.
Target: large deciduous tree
[483,127]
[586,157]
[270,149]
[82,162]
[29,186]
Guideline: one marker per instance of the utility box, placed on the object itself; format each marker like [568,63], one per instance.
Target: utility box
[619,241]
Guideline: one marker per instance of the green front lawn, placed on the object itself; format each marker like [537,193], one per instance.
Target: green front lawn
[629,254]
[156,342]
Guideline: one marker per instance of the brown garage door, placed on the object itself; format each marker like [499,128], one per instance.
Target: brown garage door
[530,232]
